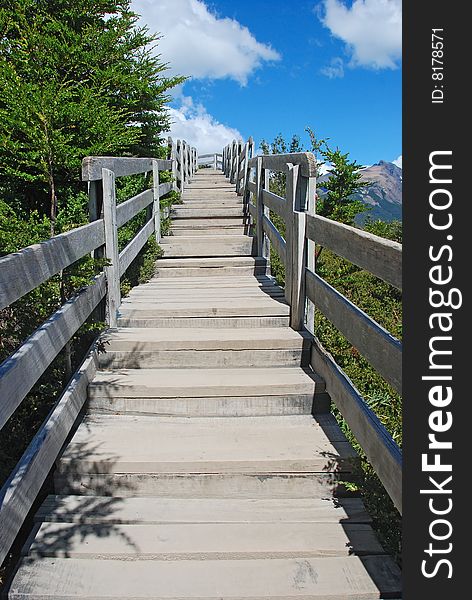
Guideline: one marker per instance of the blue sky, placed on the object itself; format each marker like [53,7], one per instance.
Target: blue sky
[262,67]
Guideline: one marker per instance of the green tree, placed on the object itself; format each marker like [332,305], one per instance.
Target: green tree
[77,78]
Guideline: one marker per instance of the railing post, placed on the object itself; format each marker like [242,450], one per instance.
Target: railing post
[259,208]
[156,207]
[310,203]
[112,271]
[262,183]
[181,170]
[173,157]
[300,191]
[296,223]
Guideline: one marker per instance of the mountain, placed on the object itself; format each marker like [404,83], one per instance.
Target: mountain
[383,195]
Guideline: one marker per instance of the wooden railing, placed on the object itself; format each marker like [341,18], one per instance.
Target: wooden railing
[25,270]
[211,160]
[235,162]
[305,289]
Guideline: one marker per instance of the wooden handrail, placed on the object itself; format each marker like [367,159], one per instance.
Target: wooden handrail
[304,289]
[23,271]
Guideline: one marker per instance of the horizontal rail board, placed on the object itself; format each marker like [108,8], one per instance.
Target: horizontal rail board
[280,162]
[165,188]
[252,209]
[21,370]
[381,257]
[275,203]
[381,450]
[92,166]
[23,271]
[252,162]
[20,491]
[378,346]
[274,236]
[128,254]
[129,209]
[252,186]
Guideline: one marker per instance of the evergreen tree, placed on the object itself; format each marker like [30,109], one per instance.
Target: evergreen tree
[77,78]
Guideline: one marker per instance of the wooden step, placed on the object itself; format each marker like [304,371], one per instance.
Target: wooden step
[129,511]
[200,347]
[254,445]
[183,212]
[334,578]
[191,246]
[201,541]
[225,266]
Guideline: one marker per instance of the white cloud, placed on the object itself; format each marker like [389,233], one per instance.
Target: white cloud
[198,43]
[335,69]
[371,29]
[200,129]
[398,162]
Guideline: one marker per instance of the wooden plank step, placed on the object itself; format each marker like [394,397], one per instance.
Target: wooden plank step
[204,339]
[238,307]
[216,222]
[145,348]
[336,578]
[102,509]
[194,383]
[151,291]
[208,231]
[247,322]
[204,485]
[140,444]
[215,262]
[201,541]
[234,281]
[191,246]
[183,212]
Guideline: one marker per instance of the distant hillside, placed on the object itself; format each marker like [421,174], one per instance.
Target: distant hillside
[384,194]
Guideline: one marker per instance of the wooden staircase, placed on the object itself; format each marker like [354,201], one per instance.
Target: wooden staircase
[207,465]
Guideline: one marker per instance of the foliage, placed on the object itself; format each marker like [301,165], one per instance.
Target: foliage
[77,78]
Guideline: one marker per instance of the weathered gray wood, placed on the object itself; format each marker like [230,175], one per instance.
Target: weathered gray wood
[280,162]
[252,210]
[266,239]
[129,209]
[381,450]
[156,210]
[276,239]
[128,254]
[259,207]
[252,162]
[21,370]
[21,489]
[165,188]
[377,345]
[377,255]
[252,187]
[111,246]
[311,252]
[275,203]
[21,272]
[92,166]
[298,255]
[94,200]
[181,166]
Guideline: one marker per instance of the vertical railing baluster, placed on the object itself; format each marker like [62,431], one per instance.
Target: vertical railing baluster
[157,200]
[112,271]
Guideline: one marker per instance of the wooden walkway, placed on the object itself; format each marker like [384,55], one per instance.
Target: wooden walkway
[199,470]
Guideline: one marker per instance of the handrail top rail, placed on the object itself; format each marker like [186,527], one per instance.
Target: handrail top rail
[121,166]
[281,162]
